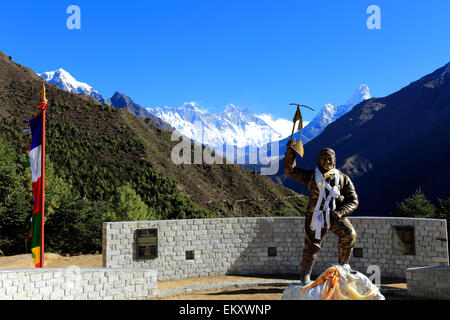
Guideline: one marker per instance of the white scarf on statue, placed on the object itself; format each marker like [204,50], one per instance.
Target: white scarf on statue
[317,222]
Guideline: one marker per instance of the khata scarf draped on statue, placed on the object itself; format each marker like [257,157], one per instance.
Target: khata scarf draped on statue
[317,222]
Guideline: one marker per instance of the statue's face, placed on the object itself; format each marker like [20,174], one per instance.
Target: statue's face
[327,159]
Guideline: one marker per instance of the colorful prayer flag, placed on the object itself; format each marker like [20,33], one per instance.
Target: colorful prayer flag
[36,164]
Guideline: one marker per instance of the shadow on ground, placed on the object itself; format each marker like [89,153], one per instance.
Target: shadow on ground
[249,291]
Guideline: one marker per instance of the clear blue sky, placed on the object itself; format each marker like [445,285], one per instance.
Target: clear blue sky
[257,54]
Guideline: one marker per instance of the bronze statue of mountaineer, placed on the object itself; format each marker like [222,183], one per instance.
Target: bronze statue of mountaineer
[332,198]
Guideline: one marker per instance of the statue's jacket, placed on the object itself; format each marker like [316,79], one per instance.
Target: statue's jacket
[346,203]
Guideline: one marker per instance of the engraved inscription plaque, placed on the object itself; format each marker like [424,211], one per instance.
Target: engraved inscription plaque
[147,243]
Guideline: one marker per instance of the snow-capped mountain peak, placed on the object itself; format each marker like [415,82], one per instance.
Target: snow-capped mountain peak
[190,105]
[193,106]
[360,94]
[330,113]
[65,81]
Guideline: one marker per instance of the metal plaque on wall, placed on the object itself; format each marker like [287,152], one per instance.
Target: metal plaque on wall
[147,243]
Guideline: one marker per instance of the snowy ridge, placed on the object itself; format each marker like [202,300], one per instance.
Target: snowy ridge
[235,125]
[65,81]
[446,70]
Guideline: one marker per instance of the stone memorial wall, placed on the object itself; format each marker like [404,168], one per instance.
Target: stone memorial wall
[238,246]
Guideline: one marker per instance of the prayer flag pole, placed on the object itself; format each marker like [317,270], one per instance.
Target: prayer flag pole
[43,107]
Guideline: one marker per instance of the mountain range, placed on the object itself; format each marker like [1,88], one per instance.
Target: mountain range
[242,128]
[235,126]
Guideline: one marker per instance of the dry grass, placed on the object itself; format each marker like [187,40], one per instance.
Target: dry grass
[52,260]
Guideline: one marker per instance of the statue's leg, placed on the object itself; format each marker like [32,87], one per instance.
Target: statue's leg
[309,257]
[310,252]
[347,236]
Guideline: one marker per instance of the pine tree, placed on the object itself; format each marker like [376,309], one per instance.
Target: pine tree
[15,206]
[416,206]
[126,205]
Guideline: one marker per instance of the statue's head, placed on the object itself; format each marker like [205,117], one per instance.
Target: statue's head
[326,160]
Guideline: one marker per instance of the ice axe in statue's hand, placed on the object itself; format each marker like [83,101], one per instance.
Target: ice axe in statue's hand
[298,147]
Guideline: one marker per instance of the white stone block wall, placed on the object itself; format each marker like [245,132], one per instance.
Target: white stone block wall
[375,236]
[240,246]
[429,282]
[77,284]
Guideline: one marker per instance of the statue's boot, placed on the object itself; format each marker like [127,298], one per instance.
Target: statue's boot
[306,280]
